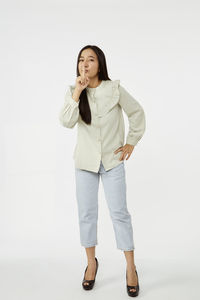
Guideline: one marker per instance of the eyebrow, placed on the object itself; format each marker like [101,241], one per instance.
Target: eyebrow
[88,56]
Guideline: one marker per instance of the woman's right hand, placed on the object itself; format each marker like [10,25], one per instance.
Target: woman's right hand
[82,81]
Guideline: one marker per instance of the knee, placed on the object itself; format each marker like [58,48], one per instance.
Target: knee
[120,215]
[88,215]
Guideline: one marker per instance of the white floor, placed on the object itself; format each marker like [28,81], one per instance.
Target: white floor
[40,278]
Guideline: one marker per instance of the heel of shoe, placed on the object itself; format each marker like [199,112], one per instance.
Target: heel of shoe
[136,287]
[91,282]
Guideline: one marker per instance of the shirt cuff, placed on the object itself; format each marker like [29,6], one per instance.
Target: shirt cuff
[132,141]
[73,102]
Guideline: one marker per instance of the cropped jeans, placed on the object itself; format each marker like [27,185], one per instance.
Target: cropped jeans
[114,185]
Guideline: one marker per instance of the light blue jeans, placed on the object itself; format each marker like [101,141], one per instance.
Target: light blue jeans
[114,184]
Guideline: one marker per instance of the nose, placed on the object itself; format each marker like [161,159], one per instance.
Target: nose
[84,67]
[84,64]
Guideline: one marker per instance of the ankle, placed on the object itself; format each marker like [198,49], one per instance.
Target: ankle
[91,261]
[131,267]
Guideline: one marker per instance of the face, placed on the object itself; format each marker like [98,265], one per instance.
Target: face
[89,61]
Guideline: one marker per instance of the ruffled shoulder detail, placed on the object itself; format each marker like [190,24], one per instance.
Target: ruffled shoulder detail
[115,86]
[116,83]
[111,96]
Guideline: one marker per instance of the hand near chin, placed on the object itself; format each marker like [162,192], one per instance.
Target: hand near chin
[82,81]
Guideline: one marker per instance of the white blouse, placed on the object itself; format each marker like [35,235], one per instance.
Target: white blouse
[97,141]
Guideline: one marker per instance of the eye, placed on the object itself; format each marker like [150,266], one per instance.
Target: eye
[82,60]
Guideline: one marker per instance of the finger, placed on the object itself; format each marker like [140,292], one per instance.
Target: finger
[118,149]
[84,75]
[82,78]
[123,156]
[82,72]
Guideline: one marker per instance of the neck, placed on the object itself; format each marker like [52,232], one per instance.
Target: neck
[94,83]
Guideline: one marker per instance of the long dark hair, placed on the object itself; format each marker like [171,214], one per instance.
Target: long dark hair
[84,107]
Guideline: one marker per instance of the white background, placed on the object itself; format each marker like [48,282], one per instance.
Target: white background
[153,48]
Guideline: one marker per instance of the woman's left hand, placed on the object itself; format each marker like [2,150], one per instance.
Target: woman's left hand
[126,149]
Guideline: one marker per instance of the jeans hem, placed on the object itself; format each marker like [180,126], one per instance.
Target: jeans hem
[89,245]
[129,249]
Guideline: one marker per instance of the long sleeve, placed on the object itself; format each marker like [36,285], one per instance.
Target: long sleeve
[136,116]
[69,113]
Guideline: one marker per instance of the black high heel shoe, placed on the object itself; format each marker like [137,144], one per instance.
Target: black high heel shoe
[129,287]
[91,282]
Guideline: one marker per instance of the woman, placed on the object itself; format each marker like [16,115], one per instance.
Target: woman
[95,104]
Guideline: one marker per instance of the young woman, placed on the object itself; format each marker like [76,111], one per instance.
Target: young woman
[95,104]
